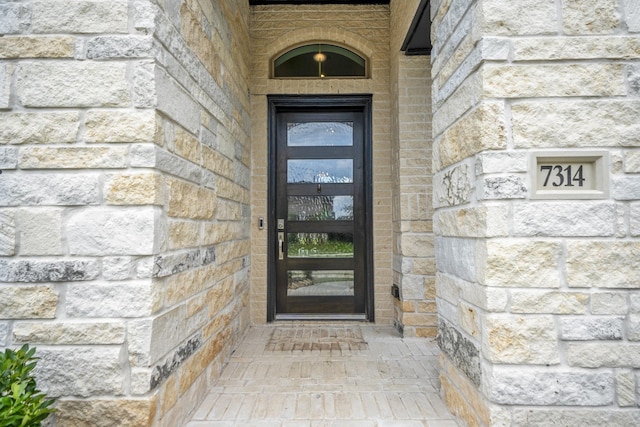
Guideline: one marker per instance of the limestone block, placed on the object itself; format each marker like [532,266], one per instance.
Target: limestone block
[69,333]
[169,330]
[456,257]
[453,187]
[576,124]
[120,126]
[626,388]
[548,302]
[609,303]
[461,351]
[177,166]
[519,339]
[565,219]
[469,319]
[6,73]
[112,231]
[106,413]
[110,299]
[39,128]
[633,79]
[73,157]
[512,386]
[520,263]
[14,17]
[482,129]
[586,17]
[632,162]
[176,262]
[123,268]
[626,187]
[28,302]
[603,354]
[186,200]
[521,18]
[635,220]
[134,189]
[72,84]
[535,417]
[631,10]
[481,221]
[176,103]
[80,16]
[603,264]
[144,85]
[4,333]
[140,381]
[562,48]
[412,287]
[465,97]
[80,371]
[144,13]
[8,158]
[40,231]
[501,162]
[504,187]
[61,189]
[217,162]
[184,234]
[7,232]
[591,328]
[516,81]
[416,245]
[36,47]
[33,271]
[186,145]
[143,155]
[120,46]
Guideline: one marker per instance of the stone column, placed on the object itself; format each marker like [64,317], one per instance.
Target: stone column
[537,299]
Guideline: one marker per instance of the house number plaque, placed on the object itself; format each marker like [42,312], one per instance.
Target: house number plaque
[569,175]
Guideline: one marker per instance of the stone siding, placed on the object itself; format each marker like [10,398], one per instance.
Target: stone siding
[275,29]
[124,200]
[536,298]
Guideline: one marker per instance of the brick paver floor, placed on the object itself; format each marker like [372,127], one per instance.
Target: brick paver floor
[319,375]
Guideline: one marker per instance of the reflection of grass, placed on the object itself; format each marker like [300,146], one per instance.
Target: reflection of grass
[322,248]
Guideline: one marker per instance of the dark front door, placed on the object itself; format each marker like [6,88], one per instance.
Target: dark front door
[320,221]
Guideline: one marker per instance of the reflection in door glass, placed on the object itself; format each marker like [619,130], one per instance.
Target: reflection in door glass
[320,208]
[324,134]
[320,283]
[320,245]
[320,171]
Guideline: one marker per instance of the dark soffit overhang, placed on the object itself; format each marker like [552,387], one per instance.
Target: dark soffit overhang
[261,2]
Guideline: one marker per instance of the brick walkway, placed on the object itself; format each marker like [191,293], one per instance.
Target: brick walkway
[327,376]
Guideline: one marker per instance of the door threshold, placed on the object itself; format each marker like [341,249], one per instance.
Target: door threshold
[321,317]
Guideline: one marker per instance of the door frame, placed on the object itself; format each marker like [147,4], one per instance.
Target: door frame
[285,103]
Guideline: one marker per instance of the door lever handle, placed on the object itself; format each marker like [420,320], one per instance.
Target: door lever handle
[280,246]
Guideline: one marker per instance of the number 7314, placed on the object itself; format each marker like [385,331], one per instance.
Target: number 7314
[562,176]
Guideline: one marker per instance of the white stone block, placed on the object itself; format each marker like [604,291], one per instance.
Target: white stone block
[530,340]
[143,155]
[609,354]
[609,303]
[14,17]
[548,302]
[503,187]
[511,386]
[80,16]
[144,85]
[39,128]
[626,388]
[626,188]
[635,219]
[40,231]
[80,371]
[6,72]
[519,18]
[176,103]
[582,328]
[412,287]
[72,84]
[7,232]
[502,162]
[603,264]
[4,333]
[632,162]
[37,189]
[120,46]
[112,231]
[69,333]
[8,158]
[144,13]
[110,299]
[536,417]
[456,257]
[633,327]
[573,219]
[631,10]
[453,187]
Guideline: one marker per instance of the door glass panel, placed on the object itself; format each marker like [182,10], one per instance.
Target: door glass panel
[320,283]
[320,208]
[320,134]
[320,171]
[320,245]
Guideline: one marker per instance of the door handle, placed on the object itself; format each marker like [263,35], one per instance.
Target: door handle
[280,245]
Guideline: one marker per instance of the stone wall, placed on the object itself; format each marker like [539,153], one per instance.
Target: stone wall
[537,299]
[413,253]
[275,29]
[124,250]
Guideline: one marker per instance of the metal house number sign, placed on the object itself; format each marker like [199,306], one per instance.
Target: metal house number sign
[569,175]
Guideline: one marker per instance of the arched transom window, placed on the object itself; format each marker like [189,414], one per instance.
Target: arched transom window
[319,60]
